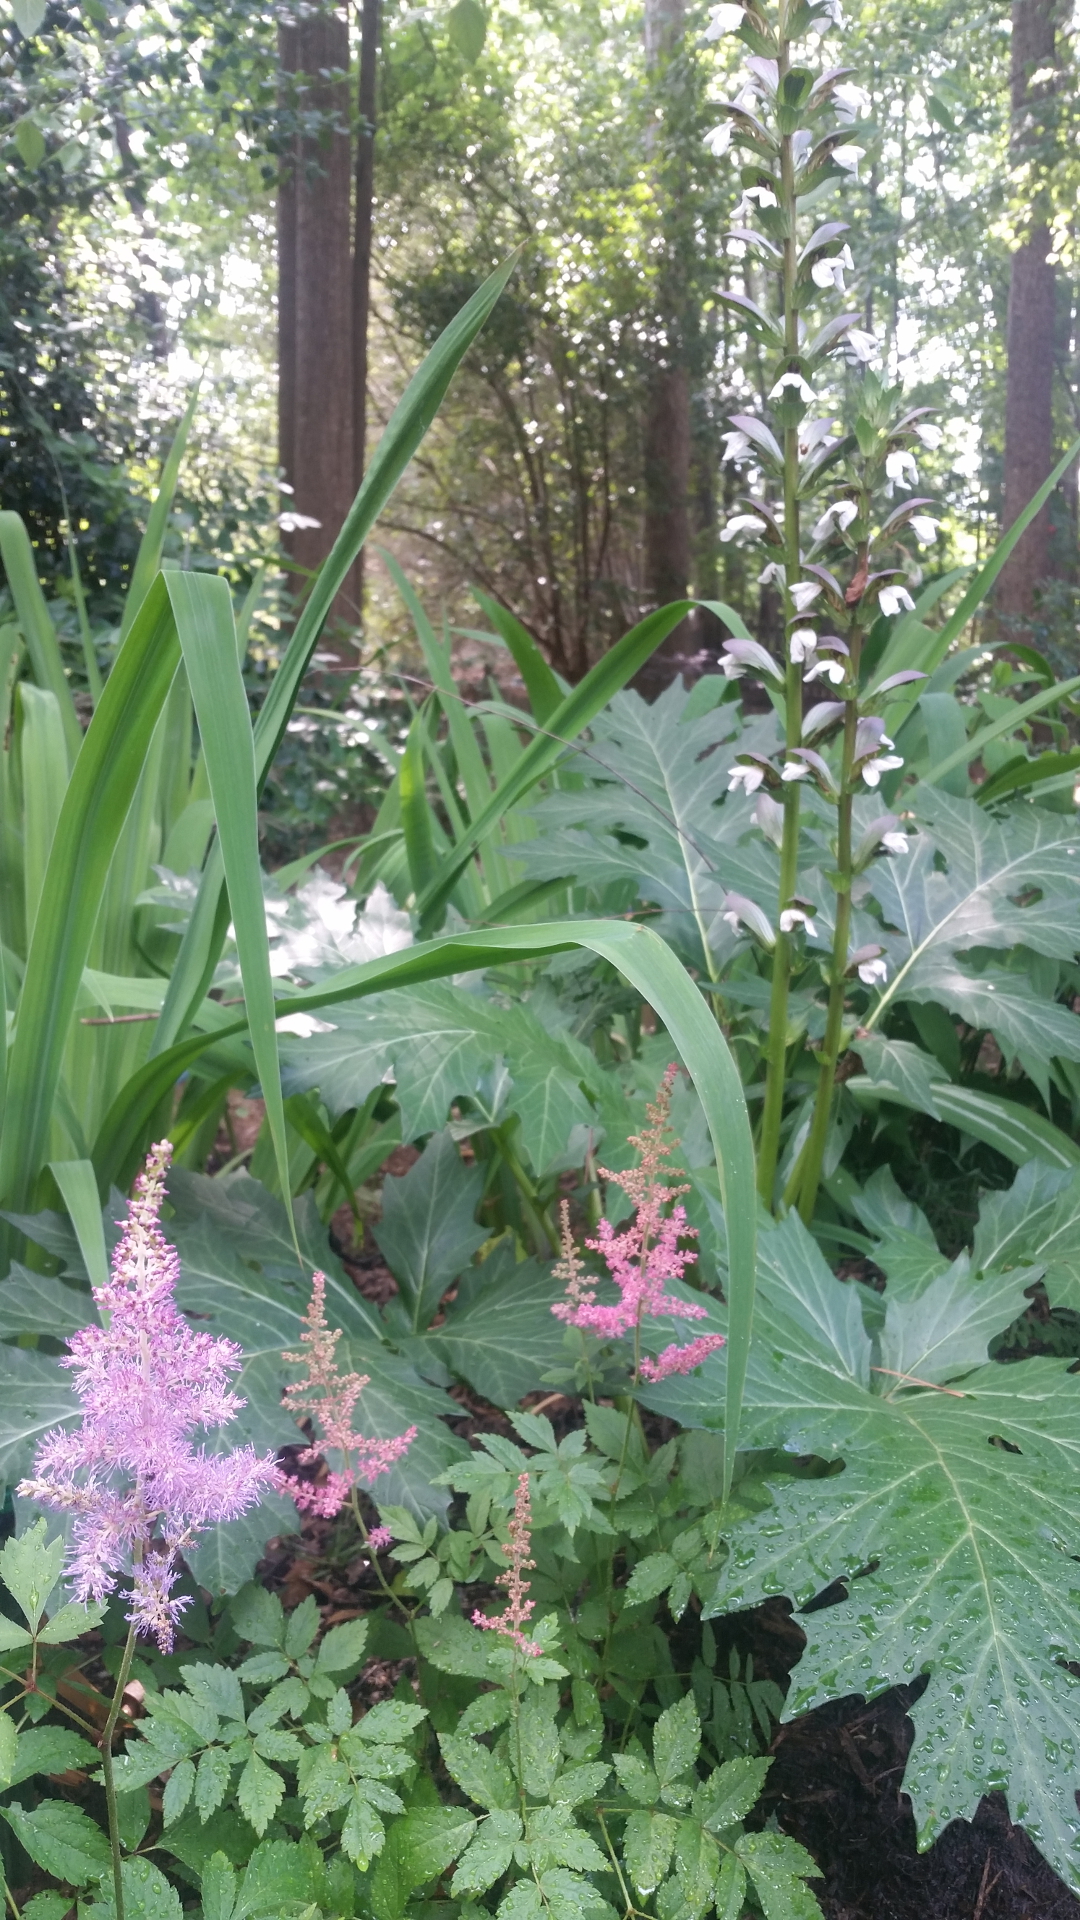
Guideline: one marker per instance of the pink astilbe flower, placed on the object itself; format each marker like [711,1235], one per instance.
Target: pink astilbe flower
[380,1538]
[140,1492]
[644,1256]
[512,1579]
[328,1397]
[676,1359]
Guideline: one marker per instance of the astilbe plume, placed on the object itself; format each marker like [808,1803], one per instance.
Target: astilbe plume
[139,1491]
[644,1256]
[512,1580]
[328,1397]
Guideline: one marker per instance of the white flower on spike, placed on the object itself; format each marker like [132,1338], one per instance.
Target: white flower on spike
[834,671]
[773,575]
[895,842]
[724,19]
[793,770]
[746,98]
[830,272]
[764,196]
[892,599]
[836,519]
[748,778]
[812,433]
[884,763]
[742,523]
[930,435]
[861,346]
[831,15]
[736,446]
[874,971]
[848,158]
[900,465]
[923,527]
[719,140]
[794,917]
[802,643]
[851,102]
[797,383]
[803,594]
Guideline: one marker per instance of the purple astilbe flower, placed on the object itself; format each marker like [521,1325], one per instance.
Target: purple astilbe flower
[139,1490]
[643,1257]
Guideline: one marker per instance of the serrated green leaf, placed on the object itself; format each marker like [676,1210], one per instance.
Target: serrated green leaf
[363,1834]
[652,1576]
[910,1072]
[730,1889]
[258,1615]
[428,1232]
[478,1771]
[968,1543]
[776,1865]
[500,1333]
[147,1895]
[730,1792]
[535,1752]
[259,1793]
[419,1846]
[47,1906]
[342,1647]
[9,1740]
[487,1857]
[636,1779]
[648,1844]
[676,1739]
[211,1781]
[580,1783]
[218,1888]
[69,1621]
[278,1875]
[61,1839]
[697,1864]
[218,1687]
[454,1646]
[301,1627]
[554,1839]
[391,1721]
[178,1791]
[30,1567]
[1035,1222]
[948,1327]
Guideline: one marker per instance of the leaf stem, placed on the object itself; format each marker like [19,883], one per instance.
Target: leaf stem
[105,1744]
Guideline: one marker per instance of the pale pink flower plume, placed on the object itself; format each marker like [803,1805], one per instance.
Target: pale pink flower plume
[139,1490]
[328,1397]
[380,1538]
[644,1256]
[512,1579]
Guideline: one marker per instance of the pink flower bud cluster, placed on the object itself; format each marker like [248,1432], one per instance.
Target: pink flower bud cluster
[512,1579]
[328,1397]
[643,1257]
[138,1489]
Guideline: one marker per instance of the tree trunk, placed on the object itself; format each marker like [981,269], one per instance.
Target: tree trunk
[364,217]
[1029,439]
[315,273]
[667,439]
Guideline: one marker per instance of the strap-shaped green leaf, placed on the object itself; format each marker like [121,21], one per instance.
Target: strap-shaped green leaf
[408,424]
[148,558]
[35,625]
[203,610]
[99,794]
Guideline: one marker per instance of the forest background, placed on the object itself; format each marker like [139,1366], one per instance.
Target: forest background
[288,203]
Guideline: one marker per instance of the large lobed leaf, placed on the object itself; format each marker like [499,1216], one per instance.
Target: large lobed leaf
[955,1519]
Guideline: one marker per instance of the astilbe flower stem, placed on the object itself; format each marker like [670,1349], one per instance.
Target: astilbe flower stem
[519,1606]
[643,1257]
[327,1396]
[139,1491]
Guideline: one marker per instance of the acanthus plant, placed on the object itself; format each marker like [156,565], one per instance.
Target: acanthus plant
[820,511]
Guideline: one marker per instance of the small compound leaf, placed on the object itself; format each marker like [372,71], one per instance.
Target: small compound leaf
[61,1839]
[487,1857]
[259,1793]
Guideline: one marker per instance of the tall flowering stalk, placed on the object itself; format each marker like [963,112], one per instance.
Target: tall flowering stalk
[327,1396]
[140,1492]
[641,1259]
[797,125]
[519,1606]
